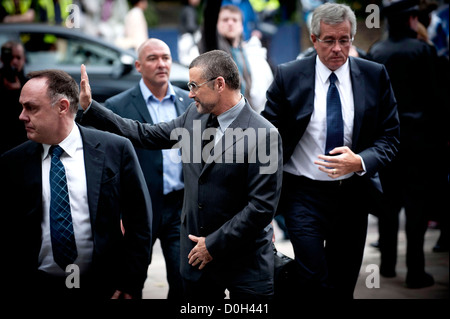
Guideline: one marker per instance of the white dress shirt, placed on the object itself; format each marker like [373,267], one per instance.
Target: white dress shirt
[312,143]
[73,161]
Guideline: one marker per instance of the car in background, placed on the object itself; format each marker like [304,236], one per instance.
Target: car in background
[110,68]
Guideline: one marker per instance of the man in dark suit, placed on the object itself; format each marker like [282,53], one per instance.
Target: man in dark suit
[152,101]
[408,181]
[232,186]
[331,163]
[66,192]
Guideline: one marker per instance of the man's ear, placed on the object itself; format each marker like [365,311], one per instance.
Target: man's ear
[220,83]
[137,66]
[64,106]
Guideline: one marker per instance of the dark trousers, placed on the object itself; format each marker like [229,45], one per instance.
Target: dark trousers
[44,286]
[210,289]
[168,232]
[327,224]
[404,189]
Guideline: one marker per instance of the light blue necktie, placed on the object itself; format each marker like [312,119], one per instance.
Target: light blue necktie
[61,228]
[335,124]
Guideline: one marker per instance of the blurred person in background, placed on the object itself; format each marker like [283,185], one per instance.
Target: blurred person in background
[135,28]
[408,181]
[250,57]
[189,32]
[12,79]
[17,11]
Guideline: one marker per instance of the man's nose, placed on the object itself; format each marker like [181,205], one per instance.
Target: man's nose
[23,116]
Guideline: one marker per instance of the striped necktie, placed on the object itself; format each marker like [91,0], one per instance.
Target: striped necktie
[61,228]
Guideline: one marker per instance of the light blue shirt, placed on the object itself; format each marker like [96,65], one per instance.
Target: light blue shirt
[165,111]
[226,118]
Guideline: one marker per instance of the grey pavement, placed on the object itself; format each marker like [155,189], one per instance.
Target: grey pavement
[437,264]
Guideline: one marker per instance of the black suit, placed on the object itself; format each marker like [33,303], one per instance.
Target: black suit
[116,190]
[408,181]
[166,208]
[335,211]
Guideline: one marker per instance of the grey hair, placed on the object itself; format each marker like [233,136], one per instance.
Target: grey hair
[332,13]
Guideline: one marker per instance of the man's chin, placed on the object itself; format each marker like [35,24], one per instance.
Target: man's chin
[200,109]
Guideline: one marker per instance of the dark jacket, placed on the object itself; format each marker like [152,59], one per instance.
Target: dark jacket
[130,104]
[116,190]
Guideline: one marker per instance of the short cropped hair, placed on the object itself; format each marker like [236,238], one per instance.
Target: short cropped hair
[59,84]
[217,63]
[332,13]
[232,8]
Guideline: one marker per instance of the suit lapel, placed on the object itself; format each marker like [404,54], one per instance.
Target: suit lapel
[94,158]
[179,103]
[242,121]
[359,91]
[306,89]
[141,105]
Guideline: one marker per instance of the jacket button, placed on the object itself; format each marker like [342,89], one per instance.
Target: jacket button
[200,206]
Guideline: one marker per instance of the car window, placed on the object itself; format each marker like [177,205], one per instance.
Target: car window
[50,49]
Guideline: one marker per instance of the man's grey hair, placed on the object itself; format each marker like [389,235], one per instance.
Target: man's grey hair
[332,13]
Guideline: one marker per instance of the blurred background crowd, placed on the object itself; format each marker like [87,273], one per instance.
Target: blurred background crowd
[105,35]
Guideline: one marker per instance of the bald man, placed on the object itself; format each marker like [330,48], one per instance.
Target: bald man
[153,100]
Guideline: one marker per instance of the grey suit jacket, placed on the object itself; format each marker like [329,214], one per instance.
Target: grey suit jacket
[231,204]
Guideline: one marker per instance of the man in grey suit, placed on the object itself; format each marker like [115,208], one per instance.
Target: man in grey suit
[155,100]
[231,193]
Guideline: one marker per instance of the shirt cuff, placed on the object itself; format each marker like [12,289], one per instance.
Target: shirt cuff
[360,173]
[87,109]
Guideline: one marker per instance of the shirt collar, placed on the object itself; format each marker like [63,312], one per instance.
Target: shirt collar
[324,72]
[69,144]
[146,93]
[226,118]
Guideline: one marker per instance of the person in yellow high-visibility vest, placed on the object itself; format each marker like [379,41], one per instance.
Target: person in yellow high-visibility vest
[53,11]
[261,5]
[16,11]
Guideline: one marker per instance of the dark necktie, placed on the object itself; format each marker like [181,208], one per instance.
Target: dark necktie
[335,124]
[212,123]
[61,228]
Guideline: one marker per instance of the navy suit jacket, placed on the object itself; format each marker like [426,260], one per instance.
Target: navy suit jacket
[376,130]
[130,104]
[116,190]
